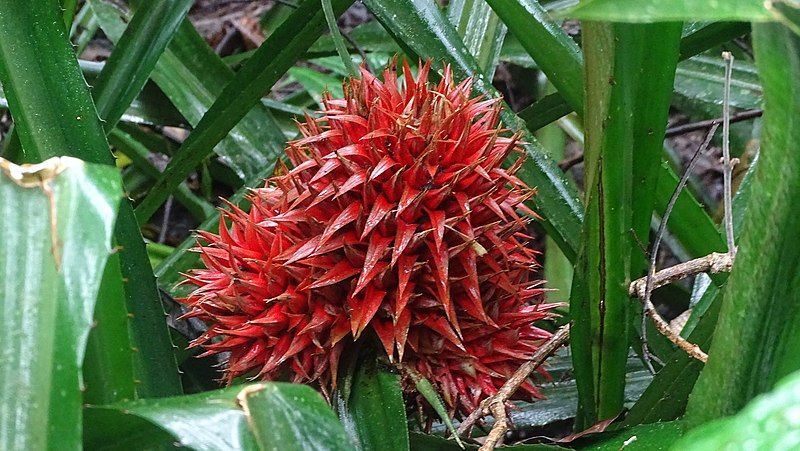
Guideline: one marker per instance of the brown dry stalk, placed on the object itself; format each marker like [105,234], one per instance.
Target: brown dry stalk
[712,263]
[496,404]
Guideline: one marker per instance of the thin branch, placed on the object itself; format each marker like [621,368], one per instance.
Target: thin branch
[496,404]
[649,309]
[703,125]
[726,153]
[713,263]
[568,163]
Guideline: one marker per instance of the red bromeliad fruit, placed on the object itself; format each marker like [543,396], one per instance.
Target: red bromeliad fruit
[396,217]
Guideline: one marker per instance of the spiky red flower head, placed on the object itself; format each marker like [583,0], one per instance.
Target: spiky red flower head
[398,217]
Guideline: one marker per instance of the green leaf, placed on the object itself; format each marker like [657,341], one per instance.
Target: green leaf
[481,30]
[54,114]
[295,417]
[134,56]
[649,437]
[338,40]
[420,25]
[193,76]
[138,153]
[767,422]
[676,10]
[255,78]
[629,76]
[108,370]
[258,416]
[748,356]
[555,53]
[788,12]
[711,35]
[47,95]
[701,78]
[554,106]
[426,389]
[57,221]
[376,409]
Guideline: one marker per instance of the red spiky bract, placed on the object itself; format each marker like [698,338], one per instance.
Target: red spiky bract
[397,217]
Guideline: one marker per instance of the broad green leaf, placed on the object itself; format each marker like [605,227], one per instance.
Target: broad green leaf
[675,10]
[47,95]
[787,11]
[768,422]
[250,417]
[376,409]
[295,417]
[748,356]
[57,222]
[420,25]
[54,115]
[135,54]
[629,73]
[244,90]
[701,78]
[108,371]
[193,76]
[649,437]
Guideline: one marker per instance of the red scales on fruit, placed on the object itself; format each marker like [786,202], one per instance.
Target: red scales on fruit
[397,217]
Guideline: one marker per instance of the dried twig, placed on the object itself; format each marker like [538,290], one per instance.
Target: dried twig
[713,263]
[496,404]
[728,164]
[703,125]
[649,309]
[567,163]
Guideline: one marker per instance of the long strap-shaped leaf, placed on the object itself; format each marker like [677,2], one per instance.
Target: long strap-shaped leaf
[254,79]
[57,220]
[192,76]
[134,56]
[557,55]
[758,334]
[54,115]
[245,417]
[420,25]
[629,74]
